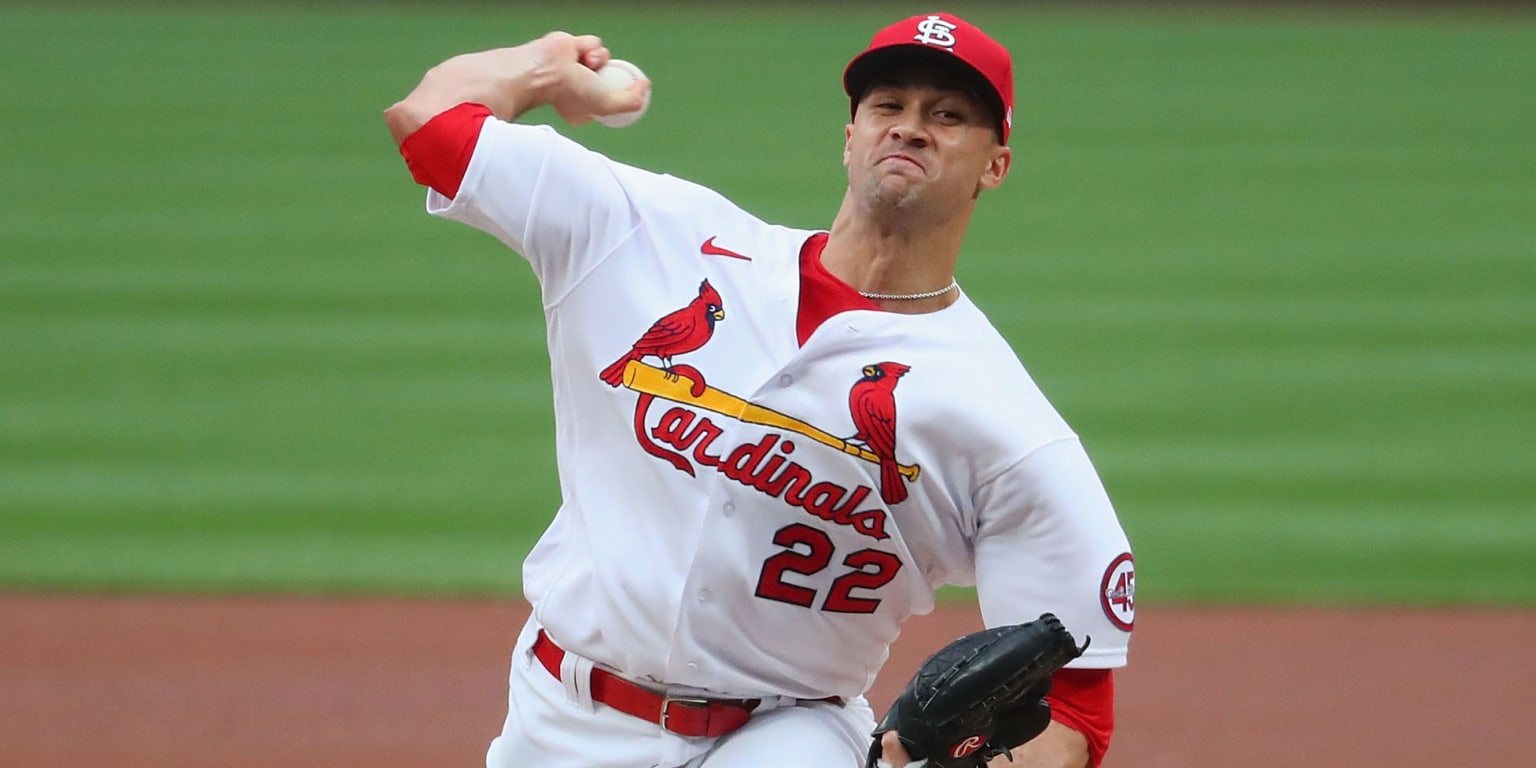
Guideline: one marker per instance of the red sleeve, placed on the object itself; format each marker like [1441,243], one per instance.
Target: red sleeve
[438,153]
[1084,700]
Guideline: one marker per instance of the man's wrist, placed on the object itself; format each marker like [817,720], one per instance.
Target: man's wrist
[509,81]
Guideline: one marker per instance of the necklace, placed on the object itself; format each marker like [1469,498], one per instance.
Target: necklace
[953,284]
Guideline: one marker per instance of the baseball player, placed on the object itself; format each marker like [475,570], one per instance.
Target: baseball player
[774,444]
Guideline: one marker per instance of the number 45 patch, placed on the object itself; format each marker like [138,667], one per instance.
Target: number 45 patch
[1117,592]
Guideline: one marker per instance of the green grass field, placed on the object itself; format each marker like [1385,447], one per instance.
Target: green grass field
[1278,268]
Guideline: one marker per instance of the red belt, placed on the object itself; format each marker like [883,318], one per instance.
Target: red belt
[682,715]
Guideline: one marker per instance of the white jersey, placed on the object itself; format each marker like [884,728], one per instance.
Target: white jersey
[749,516]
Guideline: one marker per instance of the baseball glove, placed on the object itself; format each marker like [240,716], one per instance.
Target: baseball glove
[979,696]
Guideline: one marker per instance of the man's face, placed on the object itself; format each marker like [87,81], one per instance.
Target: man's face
[919,142]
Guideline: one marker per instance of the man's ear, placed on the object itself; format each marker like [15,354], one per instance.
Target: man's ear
[847,135]
[997,168]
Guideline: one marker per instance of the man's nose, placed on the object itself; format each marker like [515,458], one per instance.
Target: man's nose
[910,130]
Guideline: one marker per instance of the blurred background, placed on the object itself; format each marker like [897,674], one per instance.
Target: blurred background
[1276,263]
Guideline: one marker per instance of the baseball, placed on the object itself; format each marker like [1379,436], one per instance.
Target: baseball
[618,74]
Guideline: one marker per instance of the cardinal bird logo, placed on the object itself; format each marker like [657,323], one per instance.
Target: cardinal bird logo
[872,403]
[681,332]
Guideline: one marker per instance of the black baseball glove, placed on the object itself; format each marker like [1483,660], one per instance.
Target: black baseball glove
[980,696]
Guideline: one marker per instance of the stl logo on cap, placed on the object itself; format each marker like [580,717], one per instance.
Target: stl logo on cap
[929,33]
[935,31]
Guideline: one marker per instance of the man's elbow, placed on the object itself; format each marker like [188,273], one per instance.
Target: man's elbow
[403,118]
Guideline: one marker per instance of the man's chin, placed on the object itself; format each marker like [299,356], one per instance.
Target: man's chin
[893,193]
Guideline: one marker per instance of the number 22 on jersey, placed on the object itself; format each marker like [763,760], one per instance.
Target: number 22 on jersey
[810,551]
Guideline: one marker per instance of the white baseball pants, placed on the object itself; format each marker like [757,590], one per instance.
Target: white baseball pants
[555,724]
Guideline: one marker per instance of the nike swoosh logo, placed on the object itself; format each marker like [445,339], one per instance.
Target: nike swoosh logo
[710,249]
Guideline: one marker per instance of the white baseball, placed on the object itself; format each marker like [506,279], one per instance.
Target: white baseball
[618,74]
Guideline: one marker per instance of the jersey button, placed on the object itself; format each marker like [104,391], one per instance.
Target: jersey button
[703,595]
[729,508]
[786,379]
[693,665]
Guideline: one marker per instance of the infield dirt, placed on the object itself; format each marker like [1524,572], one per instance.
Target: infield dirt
[134,682]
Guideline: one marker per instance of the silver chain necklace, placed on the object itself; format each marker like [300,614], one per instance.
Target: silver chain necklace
[953,284]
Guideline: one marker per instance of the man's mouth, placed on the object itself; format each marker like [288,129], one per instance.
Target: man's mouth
[897,156]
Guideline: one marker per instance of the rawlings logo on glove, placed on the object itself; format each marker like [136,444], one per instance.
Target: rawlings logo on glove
[979,696]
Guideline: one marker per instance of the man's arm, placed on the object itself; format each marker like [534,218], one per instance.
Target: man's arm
[558,69]
[1058,747]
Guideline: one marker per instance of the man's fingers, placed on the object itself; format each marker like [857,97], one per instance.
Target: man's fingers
[892,751]
[631,98]
[635,95]
[594,60]
[591,52]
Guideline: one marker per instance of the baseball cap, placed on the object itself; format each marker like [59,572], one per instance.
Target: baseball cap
[946,39]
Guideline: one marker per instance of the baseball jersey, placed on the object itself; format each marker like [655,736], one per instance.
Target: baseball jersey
[748,515]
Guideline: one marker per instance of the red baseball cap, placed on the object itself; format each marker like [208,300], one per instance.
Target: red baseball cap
[943,38]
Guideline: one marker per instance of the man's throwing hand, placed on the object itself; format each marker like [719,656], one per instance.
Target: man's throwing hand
[559,69]
[565,77]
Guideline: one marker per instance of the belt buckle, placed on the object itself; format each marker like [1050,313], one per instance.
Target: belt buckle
[667,700]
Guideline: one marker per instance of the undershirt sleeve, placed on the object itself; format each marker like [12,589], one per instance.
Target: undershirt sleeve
[1084,700]
[438,153]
